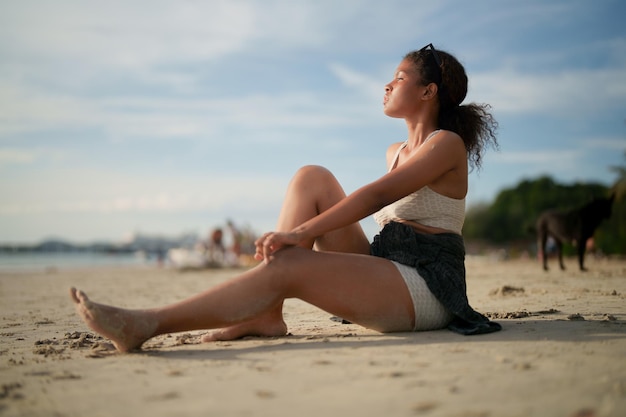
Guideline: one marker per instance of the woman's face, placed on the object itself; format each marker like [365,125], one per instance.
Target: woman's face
[403,94]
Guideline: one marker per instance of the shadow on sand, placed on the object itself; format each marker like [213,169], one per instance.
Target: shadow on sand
[536,331]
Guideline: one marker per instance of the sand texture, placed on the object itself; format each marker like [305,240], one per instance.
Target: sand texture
[562,352]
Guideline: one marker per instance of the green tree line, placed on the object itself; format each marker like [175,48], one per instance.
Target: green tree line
[510,219]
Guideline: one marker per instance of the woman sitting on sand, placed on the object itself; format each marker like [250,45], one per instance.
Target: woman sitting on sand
[410,278]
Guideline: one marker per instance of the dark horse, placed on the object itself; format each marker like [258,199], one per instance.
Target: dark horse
[576,225]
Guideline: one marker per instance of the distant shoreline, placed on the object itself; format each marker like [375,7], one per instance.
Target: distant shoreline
[33,261]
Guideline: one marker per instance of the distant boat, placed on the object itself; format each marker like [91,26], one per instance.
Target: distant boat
[182,258]
[187,258]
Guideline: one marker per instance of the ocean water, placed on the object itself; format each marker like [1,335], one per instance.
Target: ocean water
[26,262]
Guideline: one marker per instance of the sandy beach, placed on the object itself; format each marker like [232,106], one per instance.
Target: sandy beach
[562,352]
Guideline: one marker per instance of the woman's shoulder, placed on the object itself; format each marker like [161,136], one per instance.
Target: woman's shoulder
[393,148]
[447,139]
[443,134]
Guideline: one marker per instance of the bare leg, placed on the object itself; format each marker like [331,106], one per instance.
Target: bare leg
[543,238]
[582,246]
[312,190]
[270,324]
[363,289]
[559,249]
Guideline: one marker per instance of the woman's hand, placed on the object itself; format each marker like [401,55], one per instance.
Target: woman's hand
[271,242]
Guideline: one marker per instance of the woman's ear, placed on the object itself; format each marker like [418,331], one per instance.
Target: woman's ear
[430,91]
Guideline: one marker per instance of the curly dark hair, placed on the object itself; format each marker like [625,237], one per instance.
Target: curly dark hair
[473,122]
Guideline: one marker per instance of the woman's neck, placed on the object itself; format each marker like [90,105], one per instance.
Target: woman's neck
[418,133]
[423,124]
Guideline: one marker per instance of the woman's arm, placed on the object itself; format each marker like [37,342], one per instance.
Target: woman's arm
[442,154]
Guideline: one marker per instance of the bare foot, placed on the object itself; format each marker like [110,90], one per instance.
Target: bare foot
[127,329]
[263,326]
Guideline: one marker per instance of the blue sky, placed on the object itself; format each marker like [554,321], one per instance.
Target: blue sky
[164,117]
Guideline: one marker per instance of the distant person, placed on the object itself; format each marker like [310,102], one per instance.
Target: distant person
[215,247]
[410,278]
[160,257]
[236,237]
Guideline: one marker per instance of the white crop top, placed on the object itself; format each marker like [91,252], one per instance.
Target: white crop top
[424,206]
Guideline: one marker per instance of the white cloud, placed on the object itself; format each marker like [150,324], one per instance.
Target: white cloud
[31,155]
[541,157]
[128,34]
[565,162]
[554,158]
[135,36]
[162,117]
[565,93]
[85,191]
[16,156]
[359,81]
[609,143]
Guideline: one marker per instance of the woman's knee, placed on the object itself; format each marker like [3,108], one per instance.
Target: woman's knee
[314,174]
[320,184]
[287,267]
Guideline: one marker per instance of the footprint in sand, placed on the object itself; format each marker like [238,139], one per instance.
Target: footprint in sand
[507,290]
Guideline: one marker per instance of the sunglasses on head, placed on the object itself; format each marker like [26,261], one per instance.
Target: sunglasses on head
[434,52]
[435,55]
